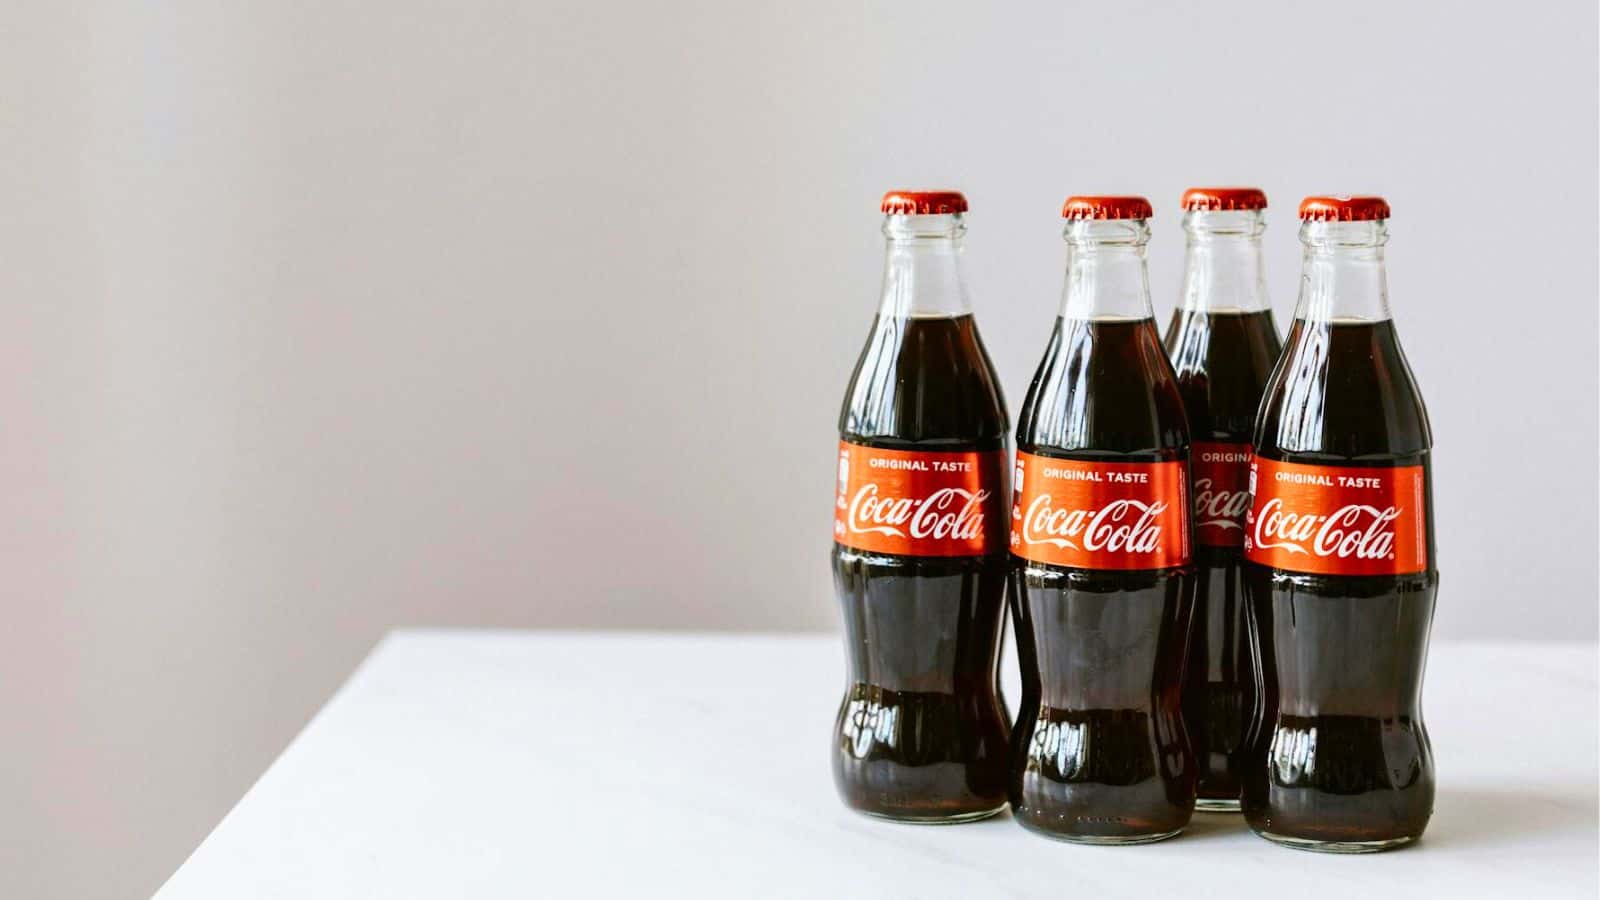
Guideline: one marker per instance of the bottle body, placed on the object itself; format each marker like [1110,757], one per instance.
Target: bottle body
[1223,344]
[919,554]
[1341,577]
[1101,580]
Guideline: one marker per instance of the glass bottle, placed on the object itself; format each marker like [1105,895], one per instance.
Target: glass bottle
[919,554]
[1342,569]
[1223,344]
[1101,574]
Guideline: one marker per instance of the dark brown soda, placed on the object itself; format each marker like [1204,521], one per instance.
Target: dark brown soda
[1223,360]
[922,731]
[1339,756]
[1099,753]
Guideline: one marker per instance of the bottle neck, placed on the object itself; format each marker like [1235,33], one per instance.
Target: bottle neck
[1107,277]
[922,272]
[1342,277]
[1222,269]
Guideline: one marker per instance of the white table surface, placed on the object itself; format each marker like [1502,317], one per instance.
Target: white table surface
[515,764]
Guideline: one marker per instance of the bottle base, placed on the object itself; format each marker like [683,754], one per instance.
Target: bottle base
[1101,840]
[1216,805]
[960,818]
[1336,846]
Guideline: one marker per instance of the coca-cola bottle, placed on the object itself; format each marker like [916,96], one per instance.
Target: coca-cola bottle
[1101,576]
[1342,570]
[919,554]
[1223,344]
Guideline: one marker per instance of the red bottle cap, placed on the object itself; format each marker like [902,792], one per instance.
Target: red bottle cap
[1343,209]
[1106,208]
[1223,199]
[923,203]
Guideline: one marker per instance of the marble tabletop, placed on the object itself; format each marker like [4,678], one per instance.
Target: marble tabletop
[498,764]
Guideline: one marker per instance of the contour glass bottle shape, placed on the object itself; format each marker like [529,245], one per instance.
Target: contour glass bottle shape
[1342,569]
[1101,573]
[919,554]
[1223,344]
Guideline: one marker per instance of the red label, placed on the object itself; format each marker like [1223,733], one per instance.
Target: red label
[1337,520]
[1221,475]
[1097,515]
[920,504]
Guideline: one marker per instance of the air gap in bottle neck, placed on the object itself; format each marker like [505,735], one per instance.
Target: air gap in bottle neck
[922,272]
[1342,277]
[1222,270]
[1107,279]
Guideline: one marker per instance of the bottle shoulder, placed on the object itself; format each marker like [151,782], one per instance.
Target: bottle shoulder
[1222,362]
[1343,392]
[926,383]
[1104,389]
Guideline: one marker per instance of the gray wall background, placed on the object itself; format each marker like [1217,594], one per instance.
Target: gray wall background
[322,318]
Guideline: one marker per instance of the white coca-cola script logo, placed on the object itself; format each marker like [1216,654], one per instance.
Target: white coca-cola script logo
[1222,509]
[1354,530]
[1121,526]
[950,513]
